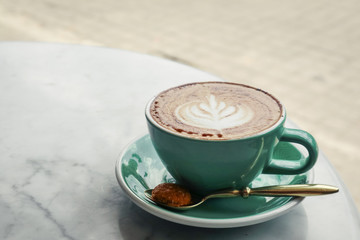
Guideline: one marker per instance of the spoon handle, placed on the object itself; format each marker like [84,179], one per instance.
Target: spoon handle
[297,190]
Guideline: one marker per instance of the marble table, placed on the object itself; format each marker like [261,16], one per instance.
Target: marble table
[67,111]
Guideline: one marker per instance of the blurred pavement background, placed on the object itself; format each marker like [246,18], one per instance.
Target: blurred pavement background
[307,53]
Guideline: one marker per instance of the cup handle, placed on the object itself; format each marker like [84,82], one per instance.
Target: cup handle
[278,166]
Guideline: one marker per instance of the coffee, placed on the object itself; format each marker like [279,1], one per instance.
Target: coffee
[215,110]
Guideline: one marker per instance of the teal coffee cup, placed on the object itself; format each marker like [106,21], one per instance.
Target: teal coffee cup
[205,136]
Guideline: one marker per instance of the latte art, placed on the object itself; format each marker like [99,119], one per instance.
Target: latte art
[215,110]
[213,114]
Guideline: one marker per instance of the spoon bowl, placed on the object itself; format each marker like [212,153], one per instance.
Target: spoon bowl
[296,190]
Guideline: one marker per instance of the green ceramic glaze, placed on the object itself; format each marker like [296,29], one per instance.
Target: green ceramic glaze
[141,168]
[205,166]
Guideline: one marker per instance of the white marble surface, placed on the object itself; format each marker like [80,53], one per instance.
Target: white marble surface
[67,111]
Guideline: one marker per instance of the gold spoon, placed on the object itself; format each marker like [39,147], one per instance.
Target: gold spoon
[296,190]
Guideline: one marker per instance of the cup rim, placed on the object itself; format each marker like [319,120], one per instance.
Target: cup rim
[263,132]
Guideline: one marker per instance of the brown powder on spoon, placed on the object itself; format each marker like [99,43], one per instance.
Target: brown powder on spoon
[171,194]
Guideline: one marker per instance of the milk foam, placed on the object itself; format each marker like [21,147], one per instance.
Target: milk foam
[215,110]
[213,114]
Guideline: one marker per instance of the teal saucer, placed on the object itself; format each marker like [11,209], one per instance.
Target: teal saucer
[139,168]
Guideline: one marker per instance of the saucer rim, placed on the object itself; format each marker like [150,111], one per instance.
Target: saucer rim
[199,221]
